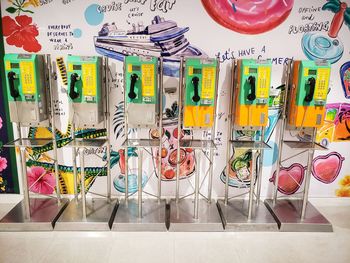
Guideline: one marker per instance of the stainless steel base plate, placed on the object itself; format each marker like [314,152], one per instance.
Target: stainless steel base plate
[153,216]
[235,216]
[44,213]
[287,214]
[99,215]
[182,217]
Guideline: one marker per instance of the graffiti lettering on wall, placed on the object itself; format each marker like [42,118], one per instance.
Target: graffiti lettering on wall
[162,5]
[59,36]
[231,54]
[111,7]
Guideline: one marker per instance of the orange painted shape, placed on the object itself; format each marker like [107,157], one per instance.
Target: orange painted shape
[201,117]
[250,115]
[307,116]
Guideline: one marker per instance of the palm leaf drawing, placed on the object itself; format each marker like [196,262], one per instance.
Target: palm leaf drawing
[347,17]
[332,5]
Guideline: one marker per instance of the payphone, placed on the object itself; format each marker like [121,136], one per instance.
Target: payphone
[141,91]
[308,93]
[249,102]
[26,88]
[252,93]
[85,89]
[200,92]
[30,98]
[303,109]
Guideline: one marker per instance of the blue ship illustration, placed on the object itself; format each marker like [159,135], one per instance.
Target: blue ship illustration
[160,38]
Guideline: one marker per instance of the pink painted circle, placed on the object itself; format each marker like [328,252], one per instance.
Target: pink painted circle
[249,17]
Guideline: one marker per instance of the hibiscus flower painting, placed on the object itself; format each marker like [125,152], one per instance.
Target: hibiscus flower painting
[20,32]
[3,164]
[41,181]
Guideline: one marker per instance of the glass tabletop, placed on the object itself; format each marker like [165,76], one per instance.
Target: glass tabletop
[27,142]
[250,144]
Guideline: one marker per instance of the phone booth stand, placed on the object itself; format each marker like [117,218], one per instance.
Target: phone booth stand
[250,84]
[197,110]
[143,109]
[88,91]
[306,95]
[30,88]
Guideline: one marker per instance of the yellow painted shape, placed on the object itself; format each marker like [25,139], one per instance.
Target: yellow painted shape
[249,115]
[147,80]
[263,87]
[199,116]
[89,79]
[208,83]
[7,65]
[69,182]
[322,81]
[27,77]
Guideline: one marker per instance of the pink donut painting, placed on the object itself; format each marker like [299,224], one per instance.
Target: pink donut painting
[249,17]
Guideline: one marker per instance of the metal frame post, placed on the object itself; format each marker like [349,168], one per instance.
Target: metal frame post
[160,78]
[212,136]
[261,166]
[53,128]
[108,130]
[252,181]
[229,128]
[308,176]
[82,180]
[179,130]
[196,185]
[139,183]
[126,130]
[281,134]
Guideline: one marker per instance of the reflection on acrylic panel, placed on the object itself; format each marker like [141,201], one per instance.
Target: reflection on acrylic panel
[249,17]
[169,153]
[240,169]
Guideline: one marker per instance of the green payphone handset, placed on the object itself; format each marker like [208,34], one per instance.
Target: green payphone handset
[200,92]
[26,88]
[309,93]
[252,89]
[85,89]
[141,90]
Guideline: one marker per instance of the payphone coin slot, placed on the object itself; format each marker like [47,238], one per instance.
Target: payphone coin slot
[29,97]
[147,99]
[90,98]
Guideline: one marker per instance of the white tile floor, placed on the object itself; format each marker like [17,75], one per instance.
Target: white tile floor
[50,247]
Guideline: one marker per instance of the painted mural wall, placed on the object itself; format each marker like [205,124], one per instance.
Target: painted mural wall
[279,30]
